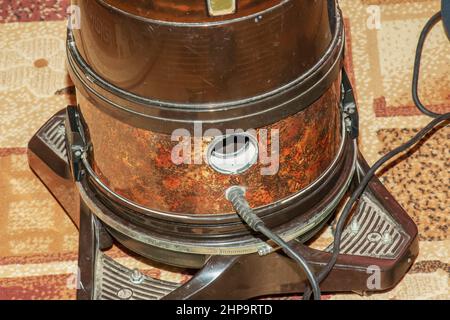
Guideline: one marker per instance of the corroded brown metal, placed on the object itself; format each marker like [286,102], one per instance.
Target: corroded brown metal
[137,163]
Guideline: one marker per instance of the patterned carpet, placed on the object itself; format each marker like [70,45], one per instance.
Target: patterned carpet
[38,243]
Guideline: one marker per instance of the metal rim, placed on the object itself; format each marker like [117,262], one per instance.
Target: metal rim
[253,112]
[76,59]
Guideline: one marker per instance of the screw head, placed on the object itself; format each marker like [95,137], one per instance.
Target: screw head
[387,238]
[62,128]
[355,227]
[136,277]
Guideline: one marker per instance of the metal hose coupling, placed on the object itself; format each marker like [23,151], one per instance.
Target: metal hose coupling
[236,195]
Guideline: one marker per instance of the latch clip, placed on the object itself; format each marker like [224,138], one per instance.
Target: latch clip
[75,141]
[349,108]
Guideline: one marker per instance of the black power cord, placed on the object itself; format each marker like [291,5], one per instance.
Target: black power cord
[361,188]
[415,91]
[439,119]
[236,195]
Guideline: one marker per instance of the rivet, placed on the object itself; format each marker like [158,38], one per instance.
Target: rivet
[125,294]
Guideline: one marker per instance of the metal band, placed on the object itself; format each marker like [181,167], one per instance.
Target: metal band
[254,112]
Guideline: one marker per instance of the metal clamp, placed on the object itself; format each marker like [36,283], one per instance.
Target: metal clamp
[76,139]
[349,108]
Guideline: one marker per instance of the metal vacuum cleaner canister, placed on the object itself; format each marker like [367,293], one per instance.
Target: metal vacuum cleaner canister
[146,68]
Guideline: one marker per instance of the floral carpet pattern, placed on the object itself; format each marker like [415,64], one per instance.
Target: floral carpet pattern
[39,243]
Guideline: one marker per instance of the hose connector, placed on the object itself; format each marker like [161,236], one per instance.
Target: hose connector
[236,195]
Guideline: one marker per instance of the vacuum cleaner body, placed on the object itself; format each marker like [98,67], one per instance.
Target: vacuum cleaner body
[175,104]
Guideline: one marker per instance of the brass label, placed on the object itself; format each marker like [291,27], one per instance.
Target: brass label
[221,7]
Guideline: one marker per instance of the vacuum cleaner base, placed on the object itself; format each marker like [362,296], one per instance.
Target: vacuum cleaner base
[379,245]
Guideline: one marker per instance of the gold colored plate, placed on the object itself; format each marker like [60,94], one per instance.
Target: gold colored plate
[221,7]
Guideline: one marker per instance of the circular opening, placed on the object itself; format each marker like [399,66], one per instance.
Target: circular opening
[233,154]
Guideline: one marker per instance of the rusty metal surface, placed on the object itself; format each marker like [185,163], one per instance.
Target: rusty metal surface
[137,163]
